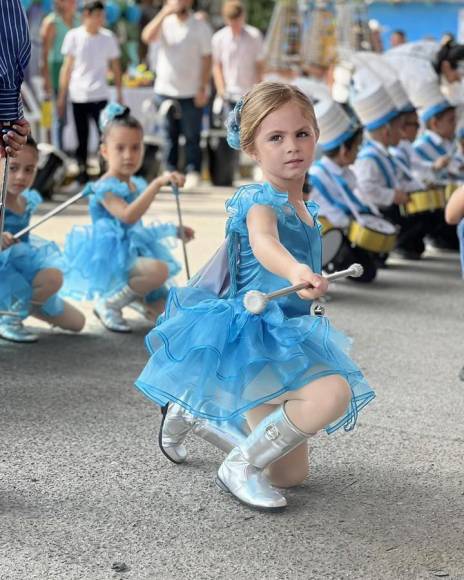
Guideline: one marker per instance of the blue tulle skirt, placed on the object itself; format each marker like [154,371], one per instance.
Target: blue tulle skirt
[99,257]
[19,265]
[217,360]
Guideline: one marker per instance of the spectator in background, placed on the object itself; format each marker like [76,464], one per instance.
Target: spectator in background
[52,33]
[237,54]
[397,37]
[89,51]
[183,72]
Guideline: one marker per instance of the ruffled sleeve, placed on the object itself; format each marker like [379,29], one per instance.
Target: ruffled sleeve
[33,200]
[110,185]
[255,194]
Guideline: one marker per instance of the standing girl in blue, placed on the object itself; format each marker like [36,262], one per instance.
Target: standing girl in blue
[117,259]
[286,371]
[31,269]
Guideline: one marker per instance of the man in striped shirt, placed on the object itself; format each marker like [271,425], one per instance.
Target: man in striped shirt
[15,51]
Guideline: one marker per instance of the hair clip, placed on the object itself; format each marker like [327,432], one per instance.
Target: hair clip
[111,112]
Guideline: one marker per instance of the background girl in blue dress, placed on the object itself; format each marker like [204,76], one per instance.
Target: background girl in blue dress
[118,259]
[30,270]
[286,371]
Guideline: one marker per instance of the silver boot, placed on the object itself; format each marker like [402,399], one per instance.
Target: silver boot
[12,327]
[242,472]
[177,423]
[109,311]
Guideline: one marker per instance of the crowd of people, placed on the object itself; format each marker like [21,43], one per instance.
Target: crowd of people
[261,389]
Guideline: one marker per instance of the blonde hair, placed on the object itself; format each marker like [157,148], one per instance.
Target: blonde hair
[232,9]
[265,98]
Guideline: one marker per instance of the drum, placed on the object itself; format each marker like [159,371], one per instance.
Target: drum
[332,242]
[51,171]
[325,223]
[450,189]
[424,201]
[374,234]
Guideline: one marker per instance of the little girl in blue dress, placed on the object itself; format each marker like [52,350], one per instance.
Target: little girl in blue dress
[117,259]
[286,371]
[30,270]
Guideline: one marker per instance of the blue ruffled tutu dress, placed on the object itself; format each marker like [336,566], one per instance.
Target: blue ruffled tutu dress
[100,256]
[213,357]
[20,263]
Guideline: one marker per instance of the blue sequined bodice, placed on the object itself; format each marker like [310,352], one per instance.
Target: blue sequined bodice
[300,239]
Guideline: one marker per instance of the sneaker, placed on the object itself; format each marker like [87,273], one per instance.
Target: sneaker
[111,318]
[192,181]
[12,329]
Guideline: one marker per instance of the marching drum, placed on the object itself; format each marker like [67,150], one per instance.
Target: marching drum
[51,172]
[332,241]
[424,201]
[374,234]
[450,189]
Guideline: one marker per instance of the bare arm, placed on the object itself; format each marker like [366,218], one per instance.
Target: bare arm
[152,30]
[454,211]
[130,213]
[47,35]
[218,78]
[205,71]
[115,65]
[266,246]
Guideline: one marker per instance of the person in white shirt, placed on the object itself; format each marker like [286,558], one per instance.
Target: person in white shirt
[183,73]
[237,54]
[89,50]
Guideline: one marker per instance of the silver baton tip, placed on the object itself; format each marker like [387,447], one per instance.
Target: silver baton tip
[357,270]
[255,301]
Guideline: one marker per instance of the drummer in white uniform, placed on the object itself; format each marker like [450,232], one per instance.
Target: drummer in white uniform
[375,168]
[437,145]
[333,184]
[414,173]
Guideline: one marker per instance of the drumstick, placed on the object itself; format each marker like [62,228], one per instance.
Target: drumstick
[256,301]
[175,191]
[86,191]
[3,192]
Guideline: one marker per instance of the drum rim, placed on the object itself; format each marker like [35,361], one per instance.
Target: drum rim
[342,237]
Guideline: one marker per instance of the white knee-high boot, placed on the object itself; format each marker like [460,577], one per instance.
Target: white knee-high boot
[242,472]
[178,423]
[109,310]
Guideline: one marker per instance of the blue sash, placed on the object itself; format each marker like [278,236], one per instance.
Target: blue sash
[369,152]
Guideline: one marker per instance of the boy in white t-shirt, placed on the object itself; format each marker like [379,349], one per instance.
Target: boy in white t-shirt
[89,50]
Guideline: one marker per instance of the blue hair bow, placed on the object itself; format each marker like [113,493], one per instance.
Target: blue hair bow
[110,112]
[233,126]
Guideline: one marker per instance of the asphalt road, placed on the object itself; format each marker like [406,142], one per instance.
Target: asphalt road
[84,488]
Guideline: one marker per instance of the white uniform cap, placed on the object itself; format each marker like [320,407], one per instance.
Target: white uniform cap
[429,99]
[335,125]
[374,107]
[400,97]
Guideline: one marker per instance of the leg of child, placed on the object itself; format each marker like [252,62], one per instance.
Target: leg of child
[146,276]
[310,409]
[290,470]
[46,283]
[70,319]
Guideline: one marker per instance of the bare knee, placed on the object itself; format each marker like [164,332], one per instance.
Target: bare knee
[51,280]
[76,323]
[338,395]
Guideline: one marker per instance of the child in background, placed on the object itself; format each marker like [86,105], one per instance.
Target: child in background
[117,259]
[285,370]
[35,265]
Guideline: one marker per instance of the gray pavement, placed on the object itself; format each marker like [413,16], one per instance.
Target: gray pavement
[83,485]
